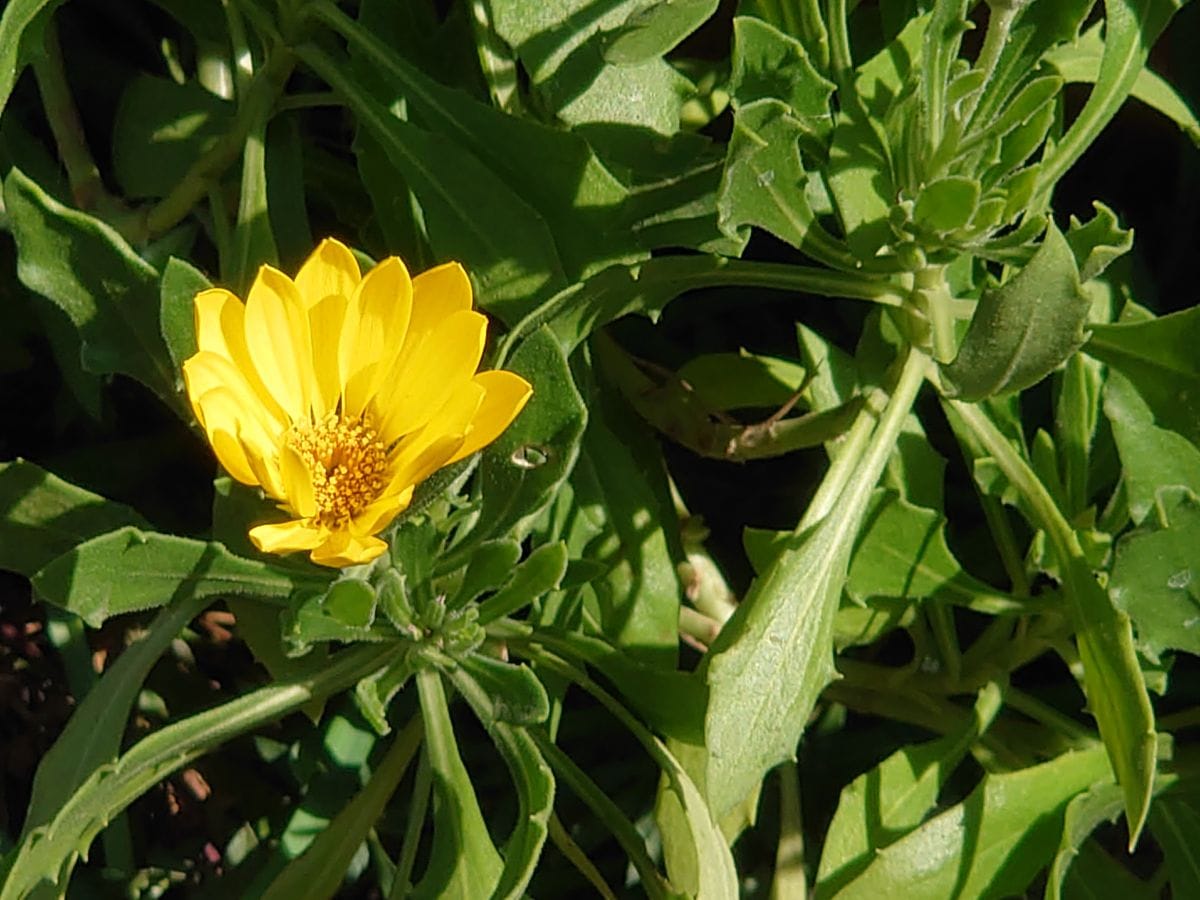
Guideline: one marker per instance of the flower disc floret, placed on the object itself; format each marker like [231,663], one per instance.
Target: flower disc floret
[337,393]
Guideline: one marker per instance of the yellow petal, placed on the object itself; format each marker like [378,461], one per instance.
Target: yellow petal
[278,340]
[221,416]
[220,329]
[344,549]
[378,515]
[330,270]
[375,327]
[437,294]
[286,537]
[297,483]
[325,319]
[206,371]
[424,381]
[424,452]
[506,394]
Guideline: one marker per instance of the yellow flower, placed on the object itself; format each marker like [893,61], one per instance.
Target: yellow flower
[339,392]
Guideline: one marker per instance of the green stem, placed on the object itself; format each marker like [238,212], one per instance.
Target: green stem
[1000,21]
[606,811]
[109,791]
[845,464]
[839,43]
[87,187]
[422,787]
[1047,715]
[207,170]
[789,882]
[561,838]
[932,295]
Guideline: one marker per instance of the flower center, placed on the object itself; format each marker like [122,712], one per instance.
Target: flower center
[347,462]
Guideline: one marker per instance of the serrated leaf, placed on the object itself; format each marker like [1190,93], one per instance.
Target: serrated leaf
[881,806]
[44,516]
[991,844]
[1099,242]
[1160,467]
[1159,357]
[86,269]
[764,180]
[515,693]
[1024,329]
[129,570]
[860,182]
[902,552]
[1156,580]
[767,63]
[561,44]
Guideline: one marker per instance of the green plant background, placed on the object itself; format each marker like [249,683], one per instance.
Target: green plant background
[848,546]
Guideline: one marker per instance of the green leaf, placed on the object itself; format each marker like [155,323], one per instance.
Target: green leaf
[1097,876]
[252,244]
[1176,822]
[697,855]
[1159,357]
[1024,329]
[622,493]
[320,869]
[1076,417]
[85,268]
[561,43]
[343,612]
[160,128]
[859,178]
[129,570]
[1115,687]
[535,788]
[20,31]
[881,806]
[491,565]
[1130,30]
[1080,63]
[947,203]
[1099,242]
[552,170]
[49,853]
[725,381]
[44,516]
[181,282]
[522,470]
[764,180]
[1159,466]
[782,633]
[541,572]
[464,862]
[516,695]
[992,844]
[470,213]
[92,737]
[1156,580]
[1085,813]
[1037,27]
[654,29]
[260,625]
[770,64]
[902,552]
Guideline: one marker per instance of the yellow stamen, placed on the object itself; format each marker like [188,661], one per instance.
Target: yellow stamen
[347,463]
